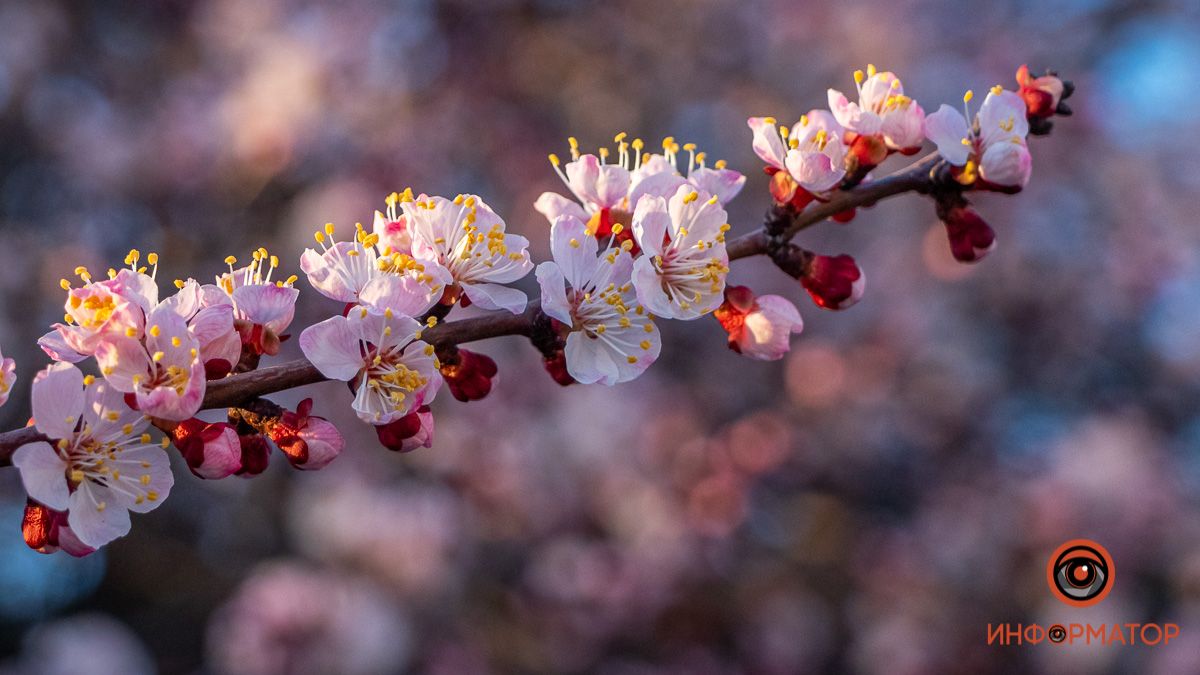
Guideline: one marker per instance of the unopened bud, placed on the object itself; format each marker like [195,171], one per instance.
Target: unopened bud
[970,237]
[834,282]
[256,454]
[212,449]
[556,365]
[1042,94]
[309,442]
[414,430]
[468,375]
[46,531]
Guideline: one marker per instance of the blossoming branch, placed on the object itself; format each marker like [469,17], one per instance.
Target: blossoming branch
[639,237]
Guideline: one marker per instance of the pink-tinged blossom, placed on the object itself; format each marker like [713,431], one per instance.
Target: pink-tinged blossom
[308,441]
[212,449]
[262,308]
[816,158]
[340,269]
[994,149]
[769,142]
[759,327]
[8,376]
[882,110]
[414,430]
[101,310]
[682,272]
[392,227]
[607,193]
[466,237]
[390,369]
[610,337]
[356,271]
[164,373]
[99,464]
[811,153]
[209,316]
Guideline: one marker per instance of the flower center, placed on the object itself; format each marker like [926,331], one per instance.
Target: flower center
[391,378]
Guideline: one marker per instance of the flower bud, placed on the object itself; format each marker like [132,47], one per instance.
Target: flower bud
[844,216]
[786,191]
[255,454]
[257,338]
[834,282]
[556,365]
[1042,94]
[468,375]
[46,531]
[865,153]
[212,450]
[309,442]
[414,430]
[758,327]
[970,237]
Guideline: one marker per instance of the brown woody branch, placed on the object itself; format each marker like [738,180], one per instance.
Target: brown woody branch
[241,388]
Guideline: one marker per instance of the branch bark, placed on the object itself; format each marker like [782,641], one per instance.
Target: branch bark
[243,387]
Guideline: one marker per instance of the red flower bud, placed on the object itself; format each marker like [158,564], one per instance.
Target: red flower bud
[834,282]
[212,450]
[469,375]
[556,365]
[257,338]
[844,216]
[786,191]
[46,531]
[865,153]
[970,237]
[309,442]
[414,430]
[1042,94]
[255,454]
[215,369]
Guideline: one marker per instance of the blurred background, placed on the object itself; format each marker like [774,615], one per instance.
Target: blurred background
[869,504]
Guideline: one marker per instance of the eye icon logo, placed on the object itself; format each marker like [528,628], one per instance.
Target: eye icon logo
[1080,572]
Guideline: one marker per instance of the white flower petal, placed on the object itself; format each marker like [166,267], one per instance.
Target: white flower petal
[1001,117]
[662,184]
[554,297]
[724,183]
[123,361]
[43,472]
[96,515]
[495,296]
[552,205]
[947,128]
[333,347]
[1008,164]
[651,221]
[590,360]
[573,249]
[768,144]
[267,304]
[57,400]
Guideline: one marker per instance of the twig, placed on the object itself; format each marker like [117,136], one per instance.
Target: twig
[240,388]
